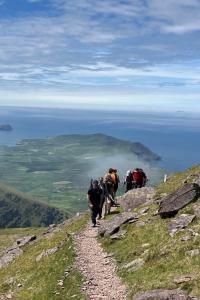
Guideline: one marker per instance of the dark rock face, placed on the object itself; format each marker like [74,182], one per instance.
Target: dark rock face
[172,203]
[136,197]
[162,295]
[110,227]
[179,223]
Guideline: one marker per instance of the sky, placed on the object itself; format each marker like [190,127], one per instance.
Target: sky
[110,54]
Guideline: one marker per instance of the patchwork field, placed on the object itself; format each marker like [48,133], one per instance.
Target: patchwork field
[58,170]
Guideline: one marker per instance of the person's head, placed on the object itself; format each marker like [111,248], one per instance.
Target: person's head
[110,170]
[95,184]
[115,170]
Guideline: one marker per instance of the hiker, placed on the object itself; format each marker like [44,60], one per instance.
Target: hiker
[139,178]
[116,181]
[94,200]
[144,178]
[108,180]
[128,181]
[103,197]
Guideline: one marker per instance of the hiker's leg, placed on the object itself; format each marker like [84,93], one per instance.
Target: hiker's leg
[109,203]
[100,208]
[100,213]
[93,215]
[106,206]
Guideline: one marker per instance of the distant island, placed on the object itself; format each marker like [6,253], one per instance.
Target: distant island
[6,127]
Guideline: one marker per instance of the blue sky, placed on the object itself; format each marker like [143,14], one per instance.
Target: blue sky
[126,54]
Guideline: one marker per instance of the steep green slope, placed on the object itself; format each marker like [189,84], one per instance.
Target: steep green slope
[166,258]
[176,180]
[19,210]
[58,170]
[34,275]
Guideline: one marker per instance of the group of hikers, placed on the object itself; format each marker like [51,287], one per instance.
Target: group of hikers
[102,192]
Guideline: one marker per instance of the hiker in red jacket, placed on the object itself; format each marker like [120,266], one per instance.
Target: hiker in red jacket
[137,177]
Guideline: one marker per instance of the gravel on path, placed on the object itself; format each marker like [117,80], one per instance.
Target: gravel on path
[97,267]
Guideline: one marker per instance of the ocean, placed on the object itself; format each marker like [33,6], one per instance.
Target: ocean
[174,136]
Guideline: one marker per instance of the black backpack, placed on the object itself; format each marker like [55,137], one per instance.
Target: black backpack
[108,180]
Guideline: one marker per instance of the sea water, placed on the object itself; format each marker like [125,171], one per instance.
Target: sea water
[175,136]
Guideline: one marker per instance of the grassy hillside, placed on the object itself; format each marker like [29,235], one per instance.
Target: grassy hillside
[166,257]
[52,277]
[19,210]
[58,170]
[176,180]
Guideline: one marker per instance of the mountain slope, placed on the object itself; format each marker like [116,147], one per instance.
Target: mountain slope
[19,210]
[161,261]
[45,269]
[148,257]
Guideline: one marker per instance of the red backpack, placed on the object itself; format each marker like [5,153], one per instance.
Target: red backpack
[137,176]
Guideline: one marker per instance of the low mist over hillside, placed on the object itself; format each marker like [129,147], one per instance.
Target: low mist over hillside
[58,170]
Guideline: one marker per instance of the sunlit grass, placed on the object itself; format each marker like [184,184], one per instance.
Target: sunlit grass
[39,280]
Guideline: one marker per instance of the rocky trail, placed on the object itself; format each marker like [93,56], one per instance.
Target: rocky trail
[97,267]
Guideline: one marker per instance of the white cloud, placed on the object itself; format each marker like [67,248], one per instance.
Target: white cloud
[103,44]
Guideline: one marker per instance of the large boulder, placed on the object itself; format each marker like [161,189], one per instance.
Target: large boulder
[136,197]
[163,295]
[172,203]
[179,223]
[112,226]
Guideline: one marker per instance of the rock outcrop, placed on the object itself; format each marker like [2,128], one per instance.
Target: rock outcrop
[112,226]
[12,252]
[136,197]
[179,223]
[172,203]
[134,265]
[163,295]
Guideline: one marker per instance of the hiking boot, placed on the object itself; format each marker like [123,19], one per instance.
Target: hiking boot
[93,225]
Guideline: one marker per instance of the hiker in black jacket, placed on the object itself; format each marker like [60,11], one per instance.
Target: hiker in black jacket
[102,186]
[94,200]
[128,181]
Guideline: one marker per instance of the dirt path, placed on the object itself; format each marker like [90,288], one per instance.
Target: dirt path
[99,270]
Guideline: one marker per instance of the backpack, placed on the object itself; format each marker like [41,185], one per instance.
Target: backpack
[137,176]
[114,178]
[108,180]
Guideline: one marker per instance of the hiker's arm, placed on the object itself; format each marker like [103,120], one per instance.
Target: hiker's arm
[89,201]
